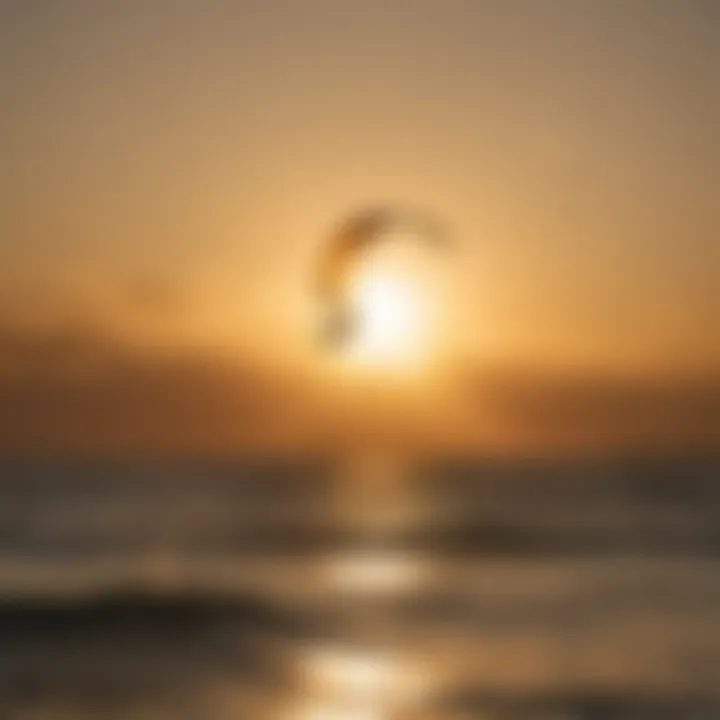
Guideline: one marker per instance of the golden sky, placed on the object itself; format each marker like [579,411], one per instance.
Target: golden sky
[170,167]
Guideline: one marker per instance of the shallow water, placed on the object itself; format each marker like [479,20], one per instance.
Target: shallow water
[366,591]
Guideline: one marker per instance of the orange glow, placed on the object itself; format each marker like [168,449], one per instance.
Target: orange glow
[169,200]
[393,320]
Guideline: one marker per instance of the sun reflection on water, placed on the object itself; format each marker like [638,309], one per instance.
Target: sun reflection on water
[369,573]
[325,712]
[340,683]
[363,681]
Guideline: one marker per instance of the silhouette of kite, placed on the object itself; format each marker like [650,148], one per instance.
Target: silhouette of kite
[341,256]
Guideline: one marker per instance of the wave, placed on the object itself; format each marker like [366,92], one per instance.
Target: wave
[578,704]
[146,613]
[129,649]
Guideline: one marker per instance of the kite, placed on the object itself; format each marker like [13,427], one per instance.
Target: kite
[341,256]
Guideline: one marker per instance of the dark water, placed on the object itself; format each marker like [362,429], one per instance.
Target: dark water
[369,591]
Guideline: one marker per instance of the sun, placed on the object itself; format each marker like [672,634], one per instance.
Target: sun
[392,320]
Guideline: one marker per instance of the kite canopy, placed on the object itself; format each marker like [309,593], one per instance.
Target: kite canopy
[341,256]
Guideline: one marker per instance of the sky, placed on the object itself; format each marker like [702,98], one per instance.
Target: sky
[170,168]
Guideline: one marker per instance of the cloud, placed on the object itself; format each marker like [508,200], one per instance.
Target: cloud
[576,409]
[75,389]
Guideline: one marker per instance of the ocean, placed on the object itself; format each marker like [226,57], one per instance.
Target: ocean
[369,589]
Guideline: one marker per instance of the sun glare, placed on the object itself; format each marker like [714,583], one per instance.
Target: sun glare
[392,320]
